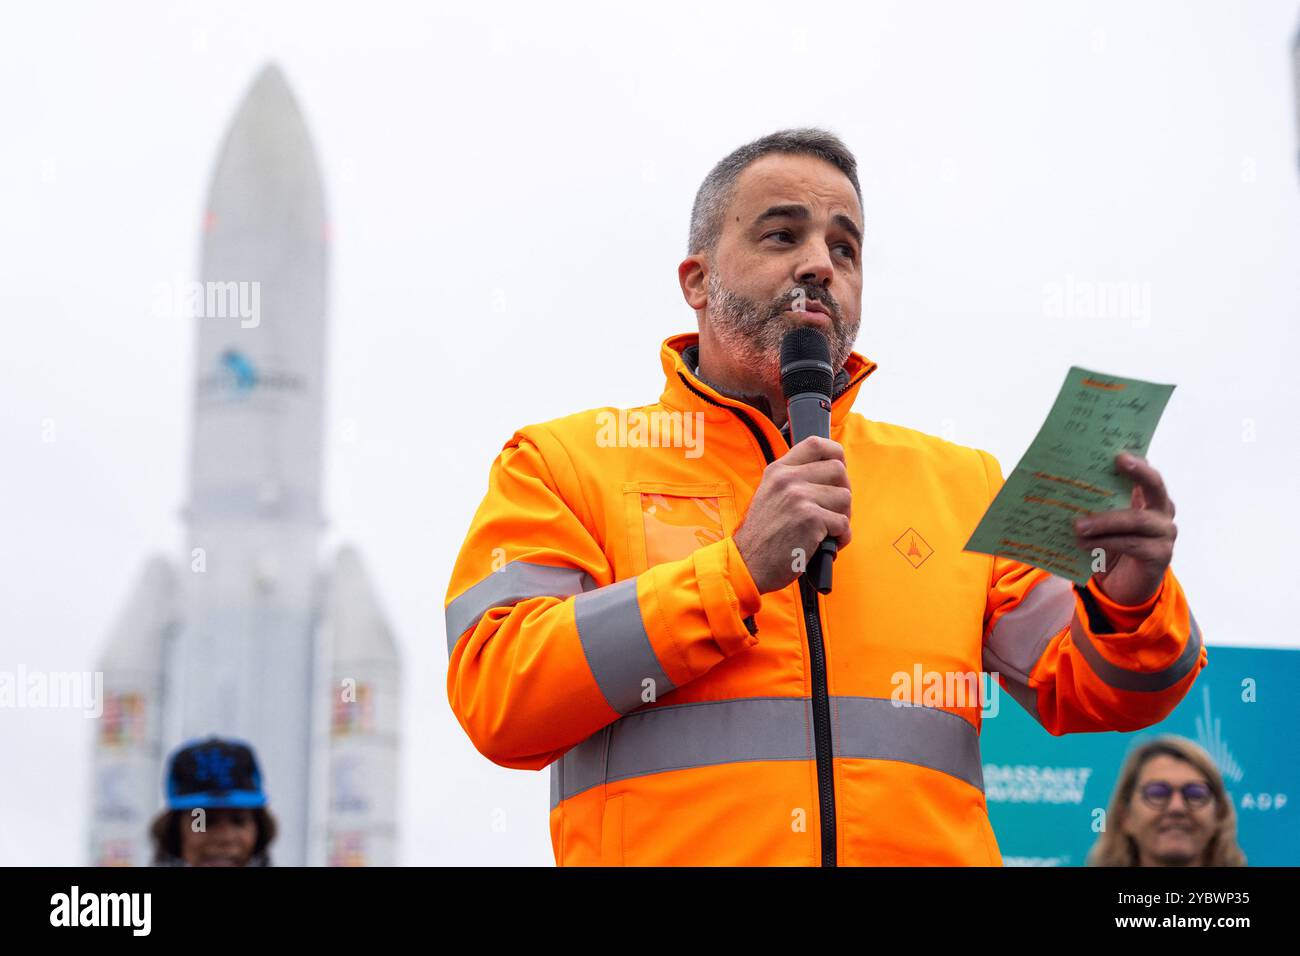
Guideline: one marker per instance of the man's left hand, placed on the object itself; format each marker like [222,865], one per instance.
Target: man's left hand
[1138,541]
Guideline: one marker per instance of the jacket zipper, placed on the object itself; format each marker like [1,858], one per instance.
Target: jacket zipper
[821,697]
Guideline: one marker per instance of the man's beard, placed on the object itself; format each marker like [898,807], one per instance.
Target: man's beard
[751,331]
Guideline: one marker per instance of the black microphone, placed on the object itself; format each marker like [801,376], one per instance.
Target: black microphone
[806,381]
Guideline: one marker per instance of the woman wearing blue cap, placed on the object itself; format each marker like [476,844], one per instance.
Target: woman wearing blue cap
[217,812]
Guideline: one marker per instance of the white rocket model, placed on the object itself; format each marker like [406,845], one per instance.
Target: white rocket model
[1295,78]
[263,647]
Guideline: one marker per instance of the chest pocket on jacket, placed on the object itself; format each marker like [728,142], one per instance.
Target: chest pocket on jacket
[667,521]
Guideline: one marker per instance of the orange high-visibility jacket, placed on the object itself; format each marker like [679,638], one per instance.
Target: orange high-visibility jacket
[601,622]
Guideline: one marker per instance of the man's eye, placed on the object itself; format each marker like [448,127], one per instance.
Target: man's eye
[852,253]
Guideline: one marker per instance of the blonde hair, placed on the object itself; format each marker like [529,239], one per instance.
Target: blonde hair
[1116,848]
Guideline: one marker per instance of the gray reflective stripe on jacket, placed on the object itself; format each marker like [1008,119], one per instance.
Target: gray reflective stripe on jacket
[1022,635]
[1121,678]
[617,647]
[709,733]
[610,628]
[514,582]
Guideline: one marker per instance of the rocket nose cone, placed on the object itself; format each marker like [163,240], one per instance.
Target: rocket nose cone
[270,75]
[267,180]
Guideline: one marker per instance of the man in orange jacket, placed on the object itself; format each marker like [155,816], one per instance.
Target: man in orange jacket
[628,607]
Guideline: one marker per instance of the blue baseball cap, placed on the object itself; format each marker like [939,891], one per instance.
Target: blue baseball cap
[214,772]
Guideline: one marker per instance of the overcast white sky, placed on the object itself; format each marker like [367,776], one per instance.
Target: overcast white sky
[543,157]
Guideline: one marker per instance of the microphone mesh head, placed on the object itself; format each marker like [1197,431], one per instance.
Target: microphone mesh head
[806,345]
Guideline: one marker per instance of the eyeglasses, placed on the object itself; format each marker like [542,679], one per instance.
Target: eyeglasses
[1195,795]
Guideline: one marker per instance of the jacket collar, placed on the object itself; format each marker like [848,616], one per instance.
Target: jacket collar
[683,387]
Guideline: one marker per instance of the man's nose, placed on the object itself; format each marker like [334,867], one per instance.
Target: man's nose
[817,268]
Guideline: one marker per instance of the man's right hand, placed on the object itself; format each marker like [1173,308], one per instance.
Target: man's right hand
[804,498]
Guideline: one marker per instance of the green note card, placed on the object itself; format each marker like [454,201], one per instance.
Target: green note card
[1069,471]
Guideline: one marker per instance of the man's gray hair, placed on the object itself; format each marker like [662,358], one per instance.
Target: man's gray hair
[715,192]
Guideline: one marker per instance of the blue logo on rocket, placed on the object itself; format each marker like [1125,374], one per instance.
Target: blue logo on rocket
[240,371]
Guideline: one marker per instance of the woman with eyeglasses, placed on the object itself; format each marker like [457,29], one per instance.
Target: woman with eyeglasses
[1169,808]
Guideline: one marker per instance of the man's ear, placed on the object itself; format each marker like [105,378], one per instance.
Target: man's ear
[693,275]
